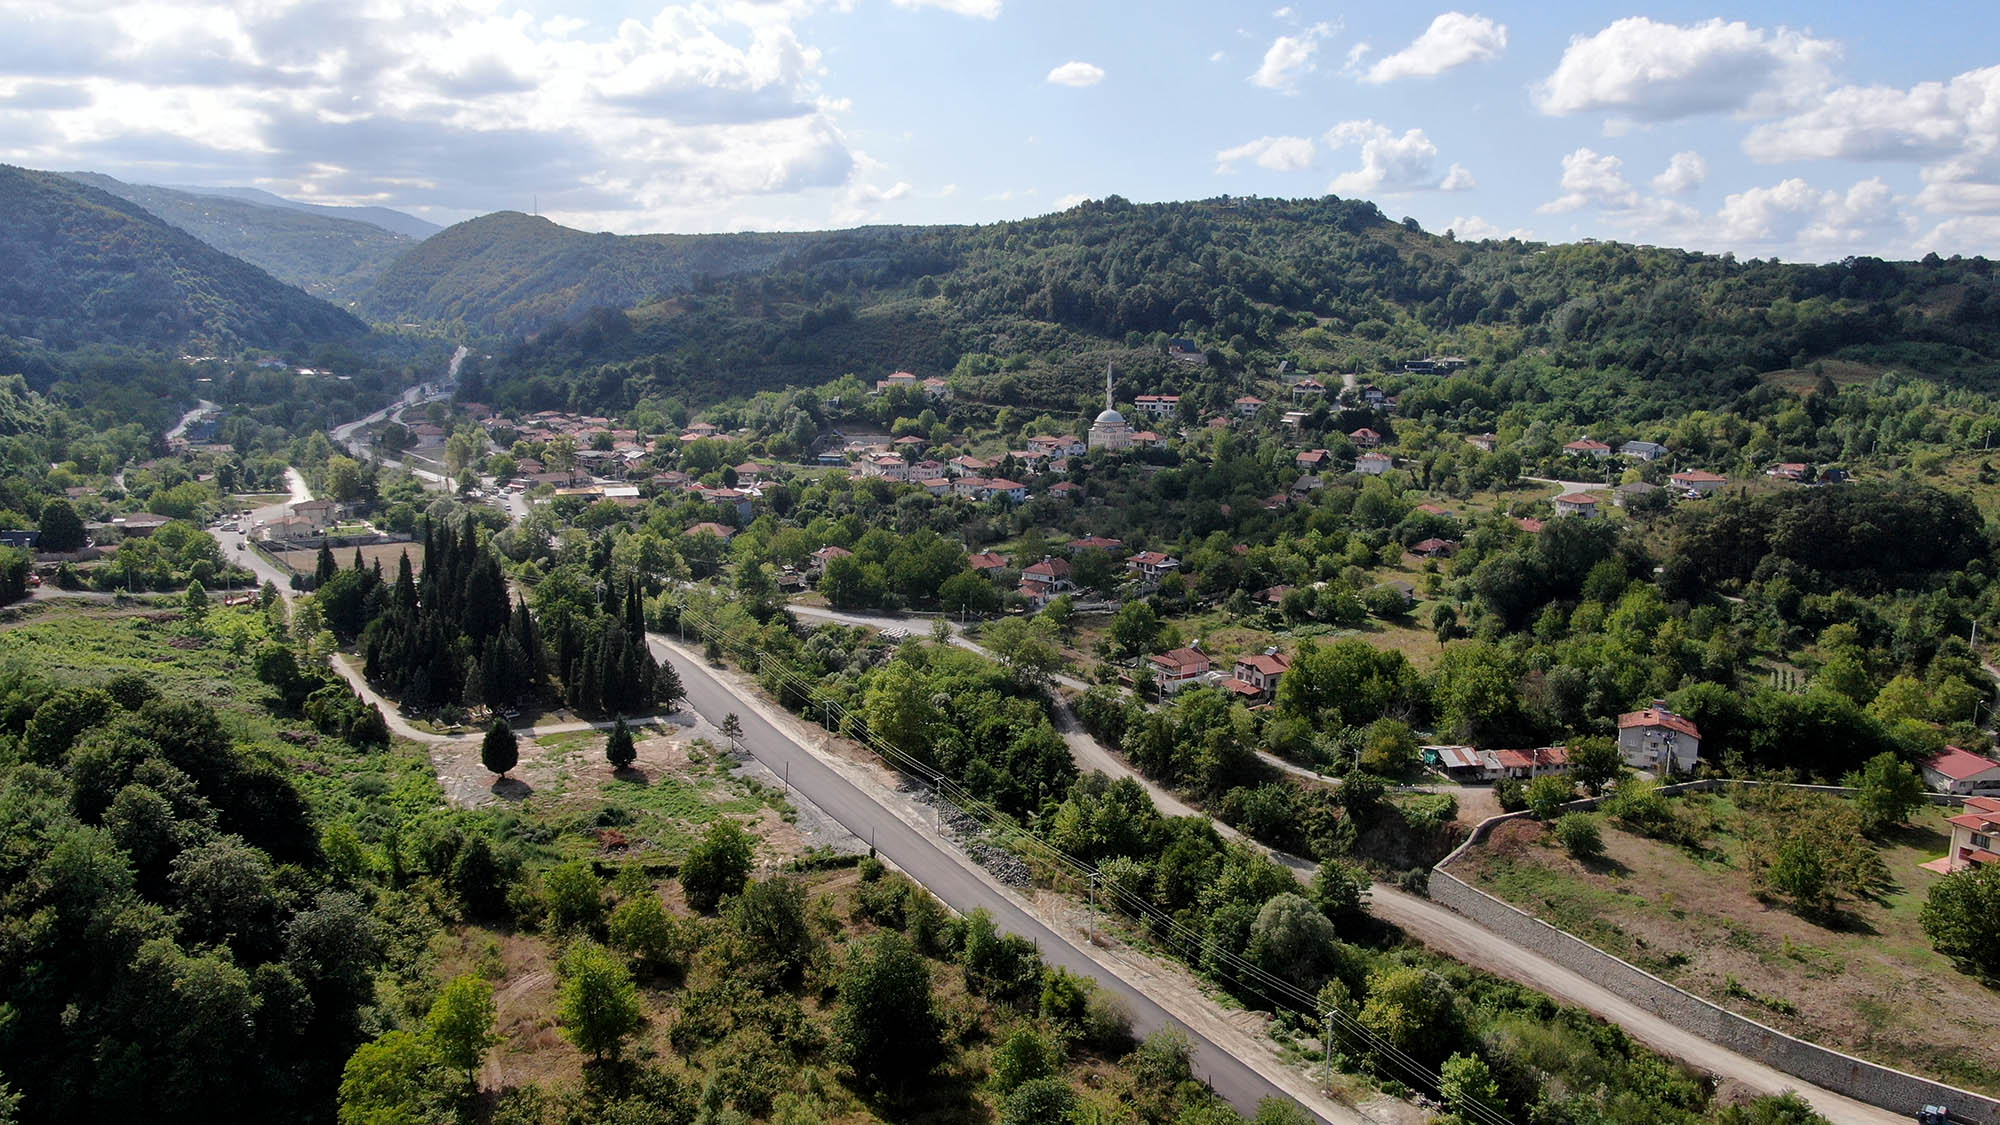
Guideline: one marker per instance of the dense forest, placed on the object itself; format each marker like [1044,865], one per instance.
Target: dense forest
[85,266]
[1327,284]
[512,273]
[326,255]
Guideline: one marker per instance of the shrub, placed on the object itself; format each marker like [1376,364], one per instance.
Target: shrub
[1547,795]
[1578,834]
[1511,794]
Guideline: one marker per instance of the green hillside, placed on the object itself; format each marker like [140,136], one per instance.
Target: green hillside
[84,267]
[329,257]
[1327,284]
[508,272]
[388,218]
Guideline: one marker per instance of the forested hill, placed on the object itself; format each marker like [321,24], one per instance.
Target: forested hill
[388,218]
[1329,284]
[514,273]
[84,266]
[328,256]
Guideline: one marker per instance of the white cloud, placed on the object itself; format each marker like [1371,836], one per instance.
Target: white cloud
[1472,228]
[1652,71]
[1929,121]
[452,107]
[1390,164]
[1075,73]
[1795,212]
[979,9]
[1590,179]
[1289,58]
[1453,39]
[1685,172]
[1279,154]
[1071,200]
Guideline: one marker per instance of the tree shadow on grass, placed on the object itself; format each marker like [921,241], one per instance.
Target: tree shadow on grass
[512,789]
[632,775]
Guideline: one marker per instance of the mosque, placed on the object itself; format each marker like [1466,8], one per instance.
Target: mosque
[1110,431]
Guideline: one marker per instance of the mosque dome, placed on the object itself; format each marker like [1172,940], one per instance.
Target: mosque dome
[1110,418]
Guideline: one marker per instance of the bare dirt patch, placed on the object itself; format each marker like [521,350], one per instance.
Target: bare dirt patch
[1869,984]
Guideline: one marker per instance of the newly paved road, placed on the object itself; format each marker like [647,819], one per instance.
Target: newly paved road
[943,875]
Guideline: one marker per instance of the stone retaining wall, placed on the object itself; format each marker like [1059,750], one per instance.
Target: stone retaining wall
[1844,1074]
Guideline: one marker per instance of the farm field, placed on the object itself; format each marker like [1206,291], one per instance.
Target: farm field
[304,559]
[1869,983]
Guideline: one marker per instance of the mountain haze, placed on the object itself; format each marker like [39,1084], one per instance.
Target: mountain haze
[508,272]
[85,266]
[388,218]
[327,256]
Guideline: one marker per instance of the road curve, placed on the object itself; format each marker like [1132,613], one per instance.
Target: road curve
[943,874]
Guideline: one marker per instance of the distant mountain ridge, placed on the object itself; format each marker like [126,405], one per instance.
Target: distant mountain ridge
[330,252]
[85,266]
[513,273]
[388,218]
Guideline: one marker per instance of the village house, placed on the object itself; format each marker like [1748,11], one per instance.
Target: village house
[720,531]
[1532,763]
[1485,443]
[1248,405]
[985,562]
[1788,470]
[1048,577]
[1183,350]
[1308,388]
[1365,438]
[1295,418]
[1579,504]
[1259,673]
[320,513]
[1374,464]
[1624,494]
[967,465]
[897,379]
[936,486]
[1065,490]
[1152,565]
[1961,771]
[1656,739]
[1147,439]
[1094,543]
[1975,838]
[825,555]
[1435,365]
[1530,525]
[1643,450]
[1698,481]
[1434,549]
[1158,406]
[1313,460]
[1588,447]
[1182,668]
[936,389]
[139,525]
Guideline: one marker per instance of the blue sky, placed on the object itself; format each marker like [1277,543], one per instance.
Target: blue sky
[1801,131]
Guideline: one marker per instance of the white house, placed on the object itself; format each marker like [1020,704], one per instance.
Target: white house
[1656,739]
[1159,406]
[1374,464]
[1698,481]
[1643,450]
[1181,668]
[1962,771]
[1588,447]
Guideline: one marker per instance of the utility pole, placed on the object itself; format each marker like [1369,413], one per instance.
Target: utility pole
[1326,1046]
[1092,931]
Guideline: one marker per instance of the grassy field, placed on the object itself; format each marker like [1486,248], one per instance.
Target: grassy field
[90,645]
[1871,985]
[304,560]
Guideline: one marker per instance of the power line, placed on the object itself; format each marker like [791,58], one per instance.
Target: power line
[1232,967]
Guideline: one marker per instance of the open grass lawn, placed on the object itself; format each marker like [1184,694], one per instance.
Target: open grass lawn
[1871,985]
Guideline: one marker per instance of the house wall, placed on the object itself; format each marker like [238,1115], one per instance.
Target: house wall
[1639,750]
[1842,1073]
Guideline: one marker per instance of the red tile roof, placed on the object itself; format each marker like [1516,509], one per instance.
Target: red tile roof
[1652,718]
[1182,661]
[1542,757]
[986,561]
[1271,664]
[1959,764]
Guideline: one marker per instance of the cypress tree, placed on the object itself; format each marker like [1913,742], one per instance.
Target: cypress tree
[619,748]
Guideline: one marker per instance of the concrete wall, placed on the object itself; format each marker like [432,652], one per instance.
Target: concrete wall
[1857,1078]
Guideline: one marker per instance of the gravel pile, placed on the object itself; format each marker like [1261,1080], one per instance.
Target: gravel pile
[966,832]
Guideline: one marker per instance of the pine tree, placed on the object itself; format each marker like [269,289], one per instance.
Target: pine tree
[326,568]
[500,751]
[619,748]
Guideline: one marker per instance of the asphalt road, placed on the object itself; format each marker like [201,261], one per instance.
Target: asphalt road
[944,875]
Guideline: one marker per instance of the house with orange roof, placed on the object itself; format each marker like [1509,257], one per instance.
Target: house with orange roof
[1182,668]
[1579,504]
[1656,739]
[1975,838]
